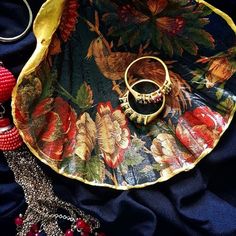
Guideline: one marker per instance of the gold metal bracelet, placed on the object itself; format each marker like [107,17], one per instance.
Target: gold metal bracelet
[156,95]
[140,118]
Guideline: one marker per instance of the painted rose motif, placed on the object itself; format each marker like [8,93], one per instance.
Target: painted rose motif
[33,129]
[113,133]
[199,129]
[59,138]
[166,152]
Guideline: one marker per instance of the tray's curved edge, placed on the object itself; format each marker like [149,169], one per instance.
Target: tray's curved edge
[43,31]
[161,179]
[43,34]
[222,14]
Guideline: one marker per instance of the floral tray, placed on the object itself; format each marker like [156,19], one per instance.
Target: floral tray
[66,102]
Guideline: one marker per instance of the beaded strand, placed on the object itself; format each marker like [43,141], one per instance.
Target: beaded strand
[9,135]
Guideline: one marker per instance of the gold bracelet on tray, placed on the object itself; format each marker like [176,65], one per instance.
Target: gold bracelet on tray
[152,97]
[141,113]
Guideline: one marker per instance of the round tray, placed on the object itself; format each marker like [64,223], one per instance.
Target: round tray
[66,102]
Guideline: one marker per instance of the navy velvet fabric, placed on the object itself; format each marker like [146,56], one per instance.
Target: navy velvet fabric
[199,202]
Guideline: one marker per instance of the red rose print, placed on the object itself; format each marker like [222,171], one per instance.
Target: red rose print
[199,129]
[58,137]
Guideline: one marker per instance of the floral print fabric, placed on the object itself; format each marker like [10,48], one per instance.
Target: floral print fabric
[68,109]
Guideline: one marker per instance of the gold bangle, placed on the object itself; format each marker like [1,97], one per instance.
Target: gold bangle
[140,118]
[156,95]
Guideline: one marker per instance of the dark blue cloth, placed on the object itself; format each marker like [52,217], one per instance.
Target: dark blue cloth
[199,202]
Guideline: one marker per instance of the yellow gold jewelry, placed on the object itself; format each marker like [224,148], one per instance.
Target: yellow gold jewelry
[141,113]
[155,96]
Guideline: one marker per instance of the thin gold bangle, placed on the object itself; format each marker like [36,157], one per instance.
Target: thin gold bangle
[134,115]
[156,95]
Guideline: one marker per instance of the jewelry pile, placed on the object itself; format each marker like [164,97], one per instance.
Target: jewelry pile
[140,107]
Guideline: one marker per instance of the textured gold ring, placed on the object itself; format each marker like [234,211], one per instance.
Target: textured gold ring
[141,116]
[155,96]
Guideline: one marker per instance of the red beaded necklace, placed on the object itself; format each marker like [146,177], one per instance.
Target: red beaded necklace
[9,135]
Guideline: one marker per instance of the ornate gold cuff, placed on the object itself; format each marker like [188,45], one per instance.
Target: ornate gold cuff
[141,113]
[152,97]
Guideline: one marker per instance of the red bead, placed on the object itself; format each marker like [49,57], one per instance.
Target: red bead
[30,233]
[10,140]
[19,221]
[69,232]
[84,234]
[34,228]
[4,122]
[101,234]
[81,224]
[7,83]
